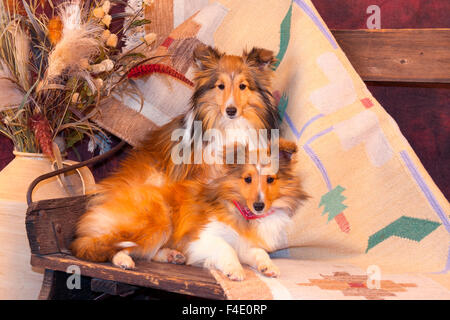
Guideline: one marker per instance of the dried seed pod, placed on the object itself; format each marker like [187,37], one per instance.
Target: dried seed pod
[150,38]
[107,20]
[106,6]
[39,125]
[99,13]
[108,63]
[75,97]
[98,68]
[112,40]
[149,69]
[105,35]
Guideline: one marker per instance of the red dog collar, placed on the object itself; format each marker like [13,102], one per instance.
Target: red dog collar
[248,214]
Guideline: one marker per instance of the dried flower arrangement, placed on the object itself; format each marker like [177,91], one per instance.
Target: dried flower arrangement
[54,72]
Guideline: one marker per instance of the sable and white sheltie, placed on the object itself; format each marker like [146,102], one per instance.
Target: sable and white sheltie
[235,218]
[231,92]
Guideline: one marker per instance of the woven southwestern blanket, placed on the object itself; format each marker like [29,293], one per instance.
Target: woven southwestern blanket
[376,226]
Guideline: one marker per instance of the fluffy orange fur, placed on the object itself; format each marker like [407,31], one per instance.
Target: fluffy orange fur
[142,214]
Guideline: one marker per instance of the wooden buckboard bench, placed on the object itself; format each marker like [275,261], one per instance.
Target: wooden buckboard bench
[416,55]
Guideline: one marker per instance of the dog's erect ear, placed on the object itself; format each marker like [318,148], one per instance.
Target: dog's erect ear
[287,149]
[262,58]
[205,56]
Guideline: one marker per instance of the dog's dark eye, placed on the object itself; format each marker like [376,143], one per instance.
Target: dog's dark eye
[221,86]
[248,179]
[270,179]
[242,86]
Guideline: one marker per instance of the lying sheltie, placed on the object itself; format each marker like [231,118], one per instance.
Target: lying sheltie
[231,92]
[235,218]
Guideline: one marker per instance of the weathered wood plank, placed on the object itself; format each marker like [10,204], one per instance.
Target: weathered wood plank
[174,278]
[51,224]
[398,55]
[57,203]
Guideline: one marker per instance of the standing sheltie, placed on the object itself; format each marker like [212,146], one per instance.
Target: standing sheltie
[234,218]
[231,92]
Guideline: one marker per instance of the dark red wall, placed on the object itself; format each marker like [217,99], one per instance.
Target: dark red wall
[395,14]
[422,112]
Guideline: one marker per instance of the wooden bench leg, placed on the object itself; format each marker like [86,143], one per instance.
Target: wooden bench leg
[48,285]
[54,287]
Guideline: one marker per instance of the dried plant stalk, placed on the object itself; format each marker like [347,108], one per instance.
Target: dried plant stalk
[79,41]
[57,69]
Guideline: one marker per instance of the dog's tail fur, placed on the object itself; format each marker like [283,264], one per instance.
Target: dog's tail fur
[97,249]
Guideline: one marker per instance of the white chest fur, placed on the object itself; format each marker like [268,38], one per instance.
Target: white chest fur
[226,131]
[271,228]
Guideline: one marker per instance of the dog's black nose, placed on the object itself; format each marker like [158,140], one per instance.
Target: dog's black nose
[231,111]
[259,206]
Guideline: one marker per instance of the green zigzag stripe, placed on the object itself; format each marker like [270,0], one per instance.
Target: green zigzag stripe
[285,35]
[404,227]
[282,105]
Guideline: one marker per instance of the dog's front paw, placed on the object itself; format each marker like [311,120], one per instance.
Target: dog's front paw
[123,260]
[235,273]
[269,269]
